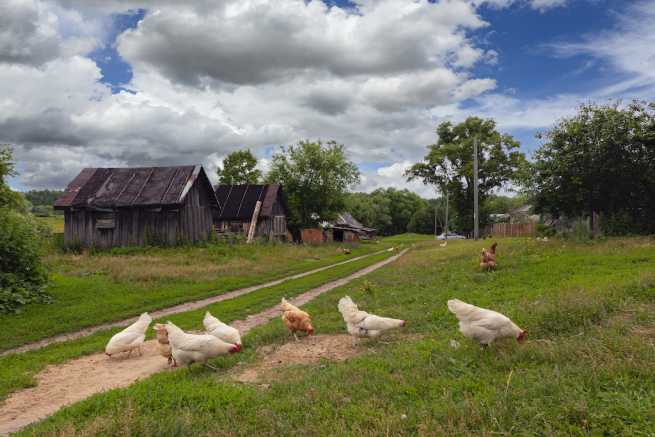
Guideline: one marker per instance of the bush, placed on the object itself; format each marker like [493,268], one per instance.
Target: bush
[545,230]
[22,275]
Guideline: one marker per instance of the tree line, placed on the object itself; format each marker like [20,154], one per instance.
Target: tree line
[599,162]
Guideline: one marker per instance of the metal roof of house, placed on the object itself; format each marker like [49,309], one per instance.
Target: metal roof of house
[345,220]
[108,188]
[238,201]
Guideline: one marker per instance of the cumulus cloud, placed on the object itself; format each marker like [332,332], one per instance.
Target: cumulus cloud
[211,77]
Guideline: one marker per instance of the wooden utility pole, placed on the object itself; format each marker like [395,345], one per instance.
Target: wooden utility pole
[253,222]
[446,225]
[476,211]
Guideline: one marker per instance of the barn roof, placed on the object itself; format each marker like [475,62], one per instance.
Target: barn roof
[108,188]
[238,201]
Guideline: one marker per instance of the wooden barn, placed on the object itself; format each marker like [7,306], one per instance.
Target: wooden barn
[263,205]
[108,207]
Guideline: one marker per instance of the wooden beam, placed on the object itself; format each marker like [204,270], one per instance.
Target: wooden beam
[253,222]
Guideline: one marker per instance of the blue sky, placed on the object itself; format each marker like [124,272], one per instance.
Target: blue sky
[146,82]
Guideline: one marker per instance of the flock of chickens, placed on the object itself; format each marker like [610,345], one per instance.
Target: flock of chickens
[183,348]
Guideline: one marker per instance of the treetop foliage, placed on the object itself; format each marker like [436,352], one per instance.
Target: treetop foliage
[239,168]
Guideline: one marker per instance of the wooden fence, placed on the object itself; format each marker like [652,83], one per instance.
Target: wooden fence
[511,230]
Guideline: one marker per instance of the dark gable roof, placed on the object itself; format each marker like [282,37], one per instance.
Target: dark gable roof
[238,201]
[108,188]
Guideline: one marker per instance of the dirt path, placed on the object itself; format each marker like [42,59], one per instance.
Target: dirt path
[63,384]
[188,306]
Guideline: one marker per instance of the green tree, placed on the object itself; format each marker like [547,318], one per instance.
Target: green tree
[315,177]
[449,165]
[22,275]
[9,199]
[239,168]
[600,160]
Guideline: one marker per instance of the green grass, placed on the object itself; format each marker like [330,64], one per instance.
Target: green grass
[91,289]
[17,370]
[54,222]
[586,369]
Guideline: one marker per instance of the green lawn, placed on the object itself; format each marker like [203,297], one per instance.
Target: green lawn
[93,288]
[586,369]
[17,370]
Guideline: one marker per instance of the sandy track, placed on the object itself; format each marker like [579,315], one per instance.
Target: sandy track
[64,384]
[188,306]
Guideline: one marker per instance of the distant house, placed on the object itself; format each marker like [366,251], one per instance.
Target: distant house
[107,207]
[345,228]
[238,203]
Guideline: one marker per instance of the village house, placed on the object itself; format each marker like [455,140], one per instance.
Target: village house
[108,207]
[263,205]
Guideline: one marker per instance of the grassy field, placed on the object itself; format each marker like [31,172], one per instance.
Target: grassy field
[93,288]
[17,370]
[586,369]
[54,222]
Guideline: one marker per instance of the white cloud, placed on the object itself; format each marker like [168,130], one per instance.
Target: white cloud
[211,77]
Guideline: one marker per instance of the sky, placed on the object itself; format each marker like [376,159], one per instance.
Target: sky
[113,83]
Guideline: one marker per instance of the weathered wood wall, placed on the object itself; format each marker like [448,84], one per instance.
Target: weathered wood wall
[511,230]
[140,226]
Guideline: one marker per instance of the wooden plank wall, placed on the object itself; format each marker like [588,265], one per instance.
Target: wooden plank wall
[512,230]
[140,226]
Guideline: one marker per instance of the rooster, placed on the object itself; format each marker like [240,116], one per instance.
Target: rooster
[196,348]
[488,258]
[484,325]
[163,344]
[130,338]
[362,324]
[220,330]
[296,319]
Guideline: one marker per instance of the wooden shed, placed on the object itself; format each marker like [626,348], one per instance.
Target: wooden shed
[239,209]
[108,207]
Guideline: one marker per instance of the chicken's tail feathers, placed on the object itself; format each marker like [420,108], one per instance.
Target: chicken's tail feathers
[209,320]
[458,307]
[493,247]
[345,304]
[286,306]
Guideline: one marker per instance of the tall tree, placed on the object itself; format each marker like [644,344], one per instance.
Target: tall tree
[239,168]
[449,165]
[600,160]
[315,177]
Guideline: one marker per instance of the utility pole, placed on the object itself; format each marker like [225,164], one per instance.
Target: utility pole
[446,225]
[476,212]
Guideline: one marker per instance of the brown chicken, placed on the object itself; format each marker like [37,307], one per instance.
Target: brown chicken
[488,258]
[162,342]
[296,319]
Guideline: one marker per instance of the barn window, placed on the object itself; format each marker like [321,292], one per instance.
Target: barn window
[106,221]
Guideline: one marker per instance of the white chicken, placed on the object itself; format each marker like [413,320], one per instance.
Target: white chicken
[362,324]
[195,348]
[220,330]
[484,325]
[130,338]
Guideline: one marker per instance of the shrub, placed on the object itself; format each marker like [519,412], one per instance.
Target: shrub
[22,275]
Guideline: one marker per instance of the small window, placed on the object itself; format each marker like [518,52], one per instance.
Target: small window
[105,221]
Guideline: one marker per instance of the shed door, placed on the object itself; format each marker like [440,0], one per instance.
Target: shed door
[279,225]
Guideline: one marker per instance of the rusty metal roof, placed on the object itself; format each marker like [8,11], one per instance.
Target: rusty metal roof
[238,201]
[108,188]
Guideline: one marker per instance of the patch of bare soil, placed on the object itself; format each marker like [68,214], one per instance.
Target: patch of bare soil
[306,351]
[64,384]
